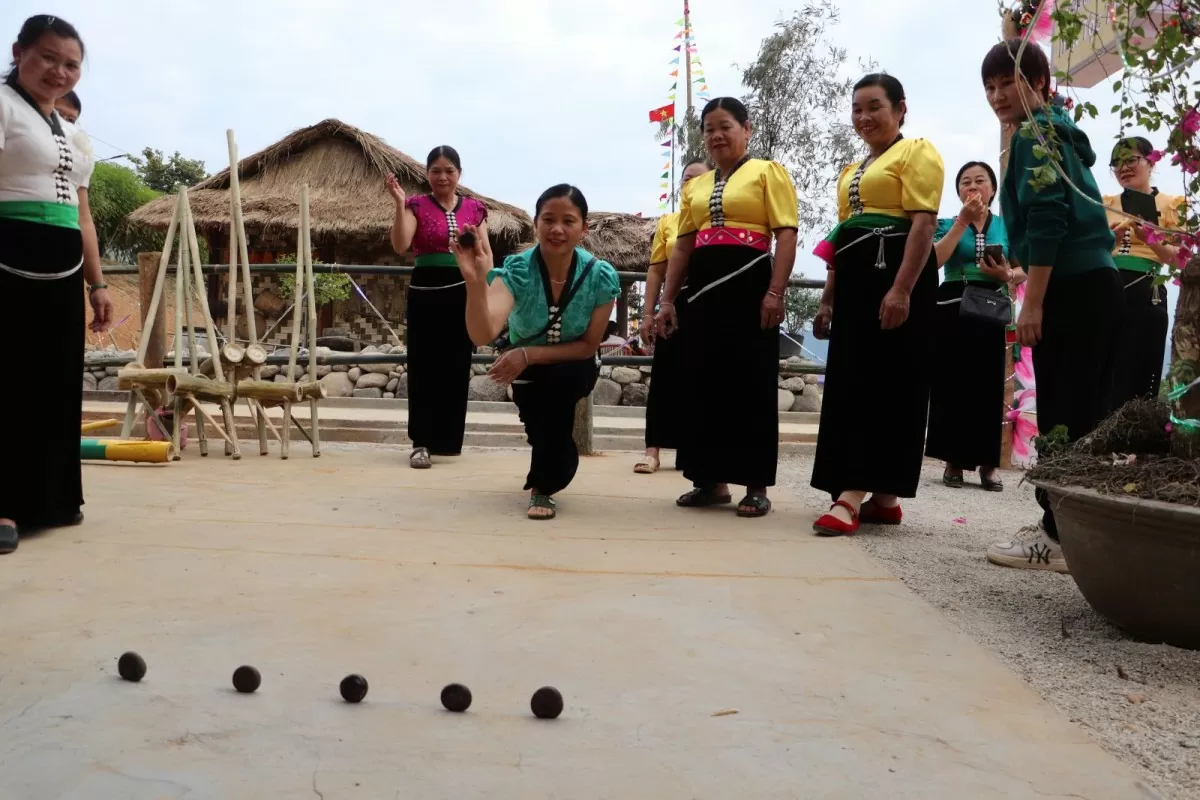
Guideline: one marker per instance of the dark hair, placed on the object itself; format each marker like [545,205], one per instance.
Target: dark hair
[1001,59]
[444,151]
[612,328]
[986,168]
[73,101]
[566,190]
[701,161]
[38,26]
[891,87]
[1129,146]
[734,106]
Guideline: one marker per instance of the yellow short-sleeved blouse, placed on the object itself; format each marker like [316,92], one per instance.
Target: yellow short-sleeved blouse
[759,196]
[1170,209]
[906,179]
[665,234]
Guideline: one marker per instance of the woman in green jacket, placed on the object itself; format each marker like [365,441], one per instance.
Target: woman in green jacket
[1073,295]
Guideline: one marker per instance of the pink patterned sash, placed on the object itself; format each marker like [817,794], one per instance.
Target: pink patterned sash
[726,235]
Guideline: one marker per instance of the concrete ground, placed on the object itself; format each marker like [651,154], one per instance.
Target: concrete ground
[649,619]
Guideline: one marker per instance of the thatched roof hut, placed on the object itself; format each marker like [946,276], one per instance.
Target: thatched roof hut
[345,169]
[622,240]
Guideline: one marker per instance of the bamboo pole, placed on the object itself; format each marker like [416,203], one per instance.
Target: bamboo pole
[129,378]
[311,390]
[200,412]
[196,386]
[201,433]
[268,390]
[233,353]
[256,354]
[286,442]
[310,285]
[99,425]
[292,418]
[270,425]
[152,313]
[180,274]
[301,286]
[243,255]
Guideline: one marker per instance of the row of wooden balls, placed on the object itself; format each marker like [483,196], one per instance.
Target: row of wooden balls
[546,703]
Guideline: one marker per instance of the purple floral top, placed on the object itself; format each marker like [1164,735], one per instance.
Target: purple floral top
[436,226]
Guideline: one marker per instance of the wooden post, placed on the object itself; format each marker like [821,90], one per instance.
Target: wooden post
[310,285]
[623,311]
[154,331]
[582,431]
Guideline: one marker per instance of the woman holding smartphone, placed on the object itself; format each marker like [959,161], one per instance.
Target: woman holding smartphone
[966,404]
[1143,344]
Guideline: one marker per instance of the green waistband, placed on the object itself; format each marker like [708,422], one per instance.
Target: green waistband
[60,215]
[876,221]
[1137,264]
[436,260]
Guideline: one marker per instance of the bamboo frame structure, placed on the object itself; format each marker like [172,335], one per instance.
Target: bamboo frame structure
[305,286]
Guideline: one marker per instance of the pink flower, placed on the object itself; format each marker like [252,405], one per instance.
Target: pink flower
[1154,156]
[1190,124]
[1152,235]
[1183,256]
[1189,163]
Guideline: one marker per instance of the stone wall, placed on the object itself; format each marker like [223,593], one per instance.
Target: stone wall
[617,386]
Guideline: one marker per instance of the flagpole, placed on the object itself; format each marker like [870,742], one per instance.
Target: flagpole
[672,164]
[687,58]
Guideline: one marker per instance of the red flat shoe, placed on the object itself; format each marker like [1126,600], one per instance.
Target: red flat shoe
[874,514]
[829,525]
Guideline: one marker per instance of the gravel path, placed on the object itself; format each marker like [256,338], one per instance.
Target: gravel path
[1140,701]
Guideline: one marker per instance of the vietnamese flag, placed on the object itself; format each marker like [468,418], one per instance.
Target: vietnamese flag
[663,114]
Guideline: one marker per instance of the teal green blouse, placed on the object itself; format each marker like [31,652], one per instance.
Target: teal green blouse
[964,258]
[522,275]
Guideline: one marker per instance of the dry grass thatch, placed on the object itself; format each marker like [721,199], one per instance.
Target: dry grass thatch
[622,240]
[345,169]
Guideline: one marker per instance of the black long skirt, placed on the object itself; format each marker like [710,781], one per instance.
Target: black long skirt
[1142,347]
[667,385]
[730,433]
[42,322]
[546,396]
[966,400]
[872,433]
[439,360]
[1073,363]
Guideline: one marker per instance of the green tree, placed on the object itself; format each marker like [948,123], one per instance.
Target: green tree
[799,308]
[327,286]
[116,192]
[163,174]
[799,104]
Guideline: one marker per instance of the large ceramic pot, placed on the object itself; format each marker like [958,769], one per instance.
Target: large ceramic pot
[1137,562]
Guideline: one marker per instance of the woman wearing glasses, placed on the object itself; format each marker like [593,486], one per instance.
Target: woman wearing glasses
[1140,256]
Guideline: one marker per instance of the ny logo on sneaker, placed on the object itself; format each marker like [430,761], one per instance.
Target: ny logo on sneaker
[1041,552]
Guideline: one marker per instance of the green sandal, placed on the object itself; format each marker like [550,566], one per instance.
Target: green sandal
[541,501]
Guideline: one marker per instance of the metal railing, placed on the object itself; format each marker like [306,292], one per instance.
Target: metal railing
[387,269]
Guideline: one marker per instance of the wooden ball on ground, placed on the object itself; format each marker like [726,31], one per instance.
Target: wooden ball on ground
[456,697]
[246,679]
[354,688]
[547,703]
[131,667]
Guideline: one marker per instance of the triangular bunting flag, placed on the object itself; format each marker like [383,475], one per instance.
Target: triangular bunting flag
[674,86]
[675,74]
[680,21]
[704,88]
[676,47]
[674,60]
[667,143]
[662,197]
[666,175]
[671,97]
[679,35]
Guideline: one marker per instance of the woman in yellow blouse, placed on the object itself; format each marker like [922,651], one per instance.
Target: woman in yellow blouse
[663,403]
[878,312]
[1142,347]
[731,311]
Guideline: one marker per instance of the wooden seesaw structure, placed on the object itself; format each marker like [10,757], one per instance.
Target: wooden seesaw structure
[234,371]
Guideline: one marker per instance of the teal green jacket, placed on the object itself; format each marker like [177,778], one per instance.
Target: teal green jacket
[1054,226]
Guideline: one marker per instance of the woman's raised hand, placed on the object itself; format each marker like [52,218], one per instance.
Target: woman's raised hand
[395,190]
[474,261]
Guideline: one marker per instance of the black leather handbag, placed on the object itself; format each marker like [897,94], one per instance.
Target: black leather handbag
[989,306]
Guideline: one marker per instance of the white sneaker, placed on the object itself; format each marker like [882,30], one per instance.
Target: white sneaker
[1031,549]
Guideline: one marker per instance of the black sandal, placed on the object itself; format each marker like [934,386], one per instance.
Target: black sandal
[9,539]
[758,503]
[702,497]
[988,484]
[953,481]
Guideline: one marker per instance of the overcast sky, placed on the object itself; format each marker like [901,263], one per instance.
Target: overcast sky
[531,92]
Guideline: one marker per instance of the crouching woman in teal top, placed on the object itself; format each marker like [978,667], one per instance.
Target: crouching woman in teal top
[555,299]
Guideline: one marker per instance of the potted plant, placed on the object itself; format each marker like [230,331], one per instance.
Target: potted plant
[1127,497]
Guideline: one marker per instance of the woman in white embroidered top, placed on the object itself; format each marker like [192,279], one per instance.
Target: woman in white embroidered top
[48,247]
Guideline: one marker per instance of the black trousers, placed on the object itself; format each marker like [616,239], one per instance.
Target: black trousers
[1073,363]
[1143,344]
[546,404]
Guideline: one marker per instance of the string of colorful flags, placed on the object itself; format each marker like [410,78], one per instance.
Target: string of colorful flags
[692,66]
